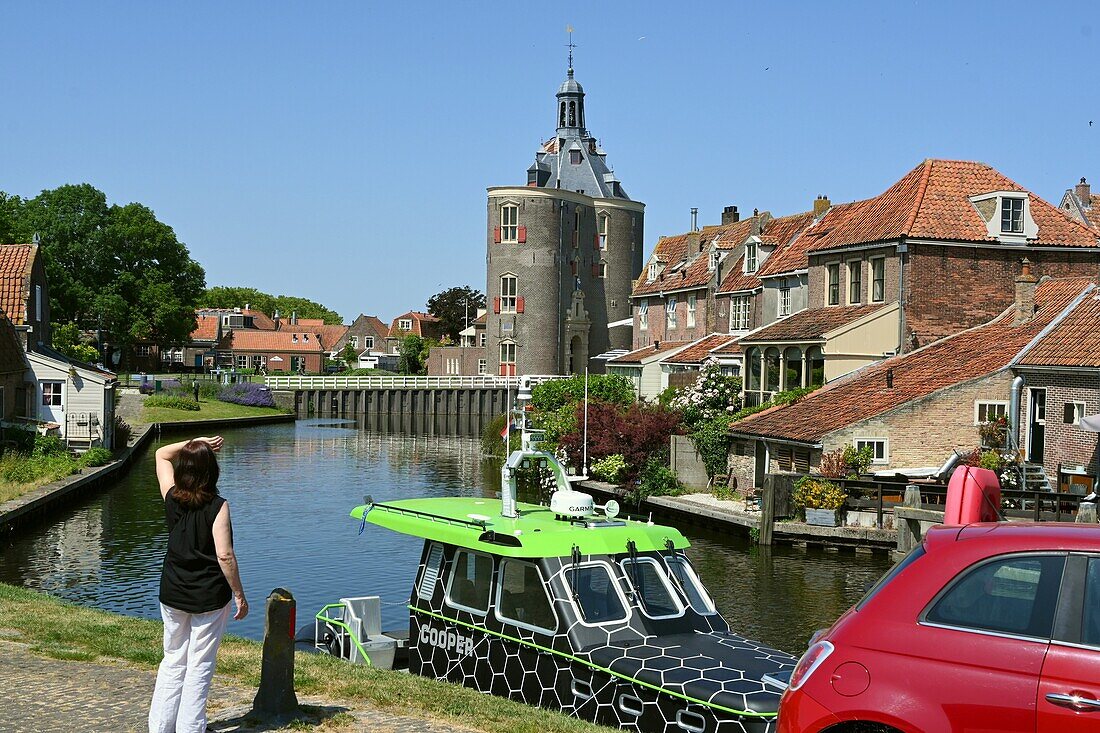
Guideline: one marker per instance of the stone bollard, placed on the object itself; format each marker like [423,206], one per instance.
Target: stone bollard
[1086,512]
[275,700]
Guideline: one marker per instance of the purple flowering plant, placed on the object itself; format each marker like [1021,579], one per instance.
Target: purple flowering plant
[247,393]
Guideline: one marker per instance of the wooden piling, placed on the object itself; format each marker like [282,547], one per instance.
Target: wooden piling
[767,511]
[907,538]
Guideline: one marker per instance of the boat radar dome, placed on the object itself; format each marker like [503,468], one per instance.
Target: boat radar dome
[578,505]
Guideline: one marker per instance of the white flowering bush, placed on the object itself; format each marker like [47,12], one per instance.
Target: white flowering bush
[713,395]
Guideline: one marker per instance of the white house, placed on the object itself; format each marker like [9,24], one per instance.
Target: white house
[78,397]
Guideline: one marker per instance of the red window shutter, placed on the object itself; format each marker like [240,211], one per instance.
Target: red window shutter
[496,305]
[503,370]
[519,304]
[596,240]
[522,235]
[496,235]
[573,267]
[595,270]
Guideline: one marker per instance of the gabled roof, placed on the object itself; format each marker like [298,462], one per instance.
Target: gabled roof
[811,324]
[932,201]
[646,354]
[16,261]
[687,256]
[284,340]
[206,327]
[795,256]
[419,320]
[865,393]
[784,233]
[330,334]
[699,351]
[1072,342]
[11,350]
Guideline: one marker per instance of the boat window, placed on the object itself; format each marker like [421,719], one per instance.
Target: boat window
[471,577]
[522,598]
[685,575]
[597,595]
[430,572]
[651,588]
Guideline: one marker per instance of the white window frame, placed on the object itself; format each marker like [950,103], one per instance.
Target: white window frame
[665,580]
[509,223]
[354,341]
[509,292]
[751,257]
[1079,409]
[712,261]
[368,342]
[740,312]
[652,274]
[691,311]
[855,266]
[59,395]
[602,270]
[242,361]
[297,363]
[670,313]
[404,324]
[830,268]
[878,262]
[614,582]
[784,302]
[143,350]
[482,366]
[604,225]
[978,404]
[500,589]
[1007,203]
[643,314]
[860,442]
[505,347]
[177,356]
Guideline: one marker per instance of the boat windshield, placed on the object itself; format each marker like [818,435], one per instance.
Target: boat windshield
[685,575]
[651,587]
[596,594]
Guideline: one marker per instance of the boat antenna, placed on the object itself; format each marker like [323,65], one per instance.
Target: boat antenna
[586,422]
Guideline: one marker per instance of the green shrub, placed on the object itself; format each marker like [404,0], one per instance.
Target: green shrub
[48,445]
[173,402]
[552,395]
[492,443]
[609,469]
[655,479]
[666,396]
[23,469]
[992,460]
[96,456]
[23,440]
[858,461]
[812,493]
[712,439]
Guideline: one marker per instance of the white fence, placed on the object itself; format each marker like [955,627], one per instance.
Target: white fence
[400,382]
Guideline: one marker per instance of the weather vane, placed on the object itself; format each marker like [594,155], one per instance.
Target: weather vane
[570,46]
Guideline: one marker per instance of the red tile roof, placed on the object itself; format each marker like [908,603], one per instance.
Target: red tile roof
[733,347]
[864,394]
[284,340]
[737,280]
[700,350]
[419,319]
[260,319]
[1073,342]
[1093,212]
[636,356]
[932,201]
[785,232]
[811,324]
[686,258]
[11,350]
[311,321]
[16,261]
[330,334]
[206,327]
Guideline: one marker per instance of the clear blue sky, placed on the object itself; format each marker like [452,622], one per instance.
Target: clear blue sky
[341,152]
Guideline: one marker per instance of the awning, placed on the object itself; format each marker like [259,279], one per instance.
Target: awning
[1091,423]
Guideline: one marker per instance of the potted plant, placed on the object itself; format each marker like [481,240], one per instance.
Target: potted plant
[820,499]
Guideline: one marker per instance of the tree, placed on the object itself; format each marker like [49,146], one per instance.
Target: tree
[351,359]
[12,220]
[68,340]
[222,296]
[408,361]
[452,307]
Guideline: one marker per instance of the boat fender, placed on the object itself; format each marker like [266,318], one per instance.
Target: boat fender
[448,640]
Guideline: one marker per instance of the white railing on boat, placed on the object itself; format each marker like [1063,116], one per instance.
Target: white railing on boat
[401,382]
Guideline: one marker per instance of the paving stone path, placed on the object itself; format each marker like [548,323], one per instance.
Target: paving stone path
[41,695]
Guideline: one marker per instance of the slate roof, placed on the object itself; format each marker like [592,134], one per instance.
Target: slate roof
[811,324]
[687,259]
[16,261]
[247,339]
[864,394]
[700,350]
[638,355]
[11,350]
[932,202]
[1073,342]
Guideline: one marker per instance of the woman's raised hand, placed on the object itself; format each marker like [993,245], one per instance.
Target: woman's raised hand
[214,442]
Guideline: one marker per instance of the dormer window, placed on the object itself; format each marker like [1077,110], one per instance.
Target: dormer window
[712,263]
[1012,215]
[750,257]
[575,157]
[404,324]
[294,338]
[652,274]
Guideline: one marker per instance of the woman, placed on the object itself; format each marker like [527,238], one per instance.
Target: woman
[200,576]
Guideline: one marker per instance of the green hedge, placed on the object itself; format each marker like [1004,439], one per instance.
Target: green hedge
[174,402]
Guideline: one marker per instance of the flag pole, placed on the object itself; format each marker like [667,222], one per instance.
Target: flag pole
[586,422]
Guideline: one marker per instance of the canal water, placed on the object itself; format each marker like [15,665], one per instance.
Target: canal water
[291,487]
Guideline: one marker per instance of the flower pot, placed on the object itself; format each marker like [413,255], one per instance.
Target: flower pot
[823,517]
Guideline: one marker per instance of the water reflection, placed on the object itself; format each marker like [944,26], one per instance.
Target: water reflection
[291,488]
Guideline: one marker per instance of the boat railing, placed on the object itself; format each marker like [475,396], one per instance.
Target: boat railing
[478,524]
[340,624]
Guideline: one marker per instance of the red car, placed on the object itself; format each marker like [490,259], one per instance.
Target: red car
[986,627]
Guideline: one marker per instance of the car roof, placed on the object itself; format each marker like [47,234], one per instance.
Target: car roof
[1019,536]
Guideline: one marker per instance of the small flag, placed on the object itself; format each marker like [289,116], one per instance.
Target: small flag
[504,432]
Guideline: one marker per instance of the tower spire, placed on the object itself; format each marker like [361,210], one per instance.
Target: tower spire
[570,46]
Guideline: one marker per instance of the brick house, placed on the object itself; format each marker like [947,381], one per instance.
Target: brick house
[470,357]
[294,351]
[367,335]
[912,409]
[24,295]
[642,366]
[681,367]
[416,323]
[13,372]
[1061,384]
[1082,204]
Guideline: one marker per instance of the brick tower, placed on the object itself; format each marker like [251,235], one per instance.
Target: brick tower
[563,253]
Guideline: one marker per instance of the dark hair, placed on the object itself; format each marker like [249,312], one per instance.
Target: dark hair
[196,475]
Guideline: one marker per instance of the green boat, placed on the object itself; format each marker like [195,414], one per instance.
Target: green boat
[568,607]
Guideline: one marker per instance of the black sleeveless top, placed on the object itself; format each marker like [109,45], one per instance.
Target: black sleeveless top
[192,579]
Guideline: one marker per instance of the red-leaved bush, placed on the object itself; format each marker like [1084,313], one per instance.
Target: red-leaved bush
[636,433]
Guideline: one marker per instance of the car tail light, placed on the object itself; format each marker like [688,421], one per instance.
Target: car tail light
[810,661]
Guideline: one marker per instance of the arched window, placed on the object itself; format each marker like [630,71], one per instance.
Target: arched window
[509,223]
[572,114]
[771,369]
[509,287]
[815,361]
[792,367]
[752,369]
[561,116]
[605,220]
[507,359]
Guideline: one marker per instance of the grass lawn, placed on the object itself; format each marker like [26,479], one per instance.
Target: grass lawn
[63,631]
[209,409]
[52,469]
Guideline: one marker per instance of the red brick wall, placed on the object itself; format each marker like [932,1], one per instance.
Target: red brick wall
[1063,443]
[949,289]
[658,327]
[819,284]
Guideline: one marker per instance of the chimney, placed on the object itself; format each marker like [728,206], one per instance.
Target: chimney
[730,215]
[1084,192]
[656,345]
[1025,294]
[694,219]
[294,318]
[821,205]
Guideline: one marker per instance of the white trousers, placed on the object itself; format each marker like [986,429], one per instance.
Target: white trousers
[191,643]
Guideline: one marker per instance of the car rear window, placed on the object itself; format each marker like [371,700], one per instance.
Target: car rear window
[916,554]
[1013,595]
